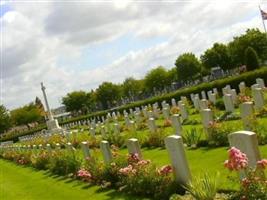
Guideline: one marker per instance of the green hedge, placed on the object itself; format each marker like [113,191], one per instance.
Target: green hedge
[249,78]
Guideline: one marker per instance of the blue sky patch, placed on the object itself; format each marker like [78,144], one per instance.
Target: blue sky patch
[4,9]
[98,55]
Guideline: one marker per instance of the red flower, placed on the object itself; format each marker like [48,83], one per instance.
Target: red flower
[165,170]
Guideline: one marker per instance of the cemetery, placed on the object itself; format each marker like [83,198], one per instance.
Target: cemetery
[133,100]
[165,150]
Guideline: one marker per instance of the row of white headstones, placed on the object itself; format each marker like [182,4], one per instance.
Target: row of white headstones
[207,114]
[246,141]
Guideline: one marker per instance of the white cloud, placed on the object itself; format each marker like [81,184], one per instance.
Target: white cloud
[36,35]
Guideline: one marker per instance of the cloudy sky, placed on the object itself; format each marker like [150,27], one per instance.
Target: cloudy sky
[76,45]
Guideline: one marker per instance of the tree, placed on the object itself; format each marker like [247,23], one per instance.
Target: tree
[218,55]
[156,78]
[172,75]
[108,94]
[77,101]
[5,121]
[252,60]
[188,66]
[40,106]
[132,87]
[252,38]
[26,114]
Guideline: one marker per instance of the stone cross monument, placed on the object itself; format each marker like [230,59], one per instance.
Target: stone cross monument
[52,124]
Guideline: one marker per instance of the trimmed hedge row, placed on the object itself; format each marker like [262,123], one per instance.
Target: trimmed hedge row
[249,78]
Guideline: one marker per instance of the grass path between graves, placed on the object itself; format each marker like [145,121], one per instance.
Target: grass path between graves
[25,183]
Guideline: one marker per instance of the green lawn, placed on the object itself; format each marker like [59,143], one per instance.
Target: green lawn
[25,183]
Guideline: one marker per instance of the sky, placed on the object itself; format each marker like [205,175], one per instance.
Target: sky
[77,45]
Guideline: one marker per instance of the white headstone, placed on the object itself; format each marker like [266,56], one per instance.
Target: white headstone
[258,97]
[176,124]
[242,87]
[261,83]
[203,104]
[228,103]
[206,117]
[152,125]
[134,147]
[175,147]
[247,114]
[184,112]
[85,149]
[105,149]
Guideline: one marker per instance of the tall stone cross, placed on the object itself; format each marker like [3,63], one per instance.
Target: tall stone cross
[50,116]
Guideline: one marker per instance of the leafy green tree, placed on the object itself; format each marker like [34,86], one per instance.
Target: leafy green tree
[108,94]
[172,75]
[77,101]
[5,121]
[132,87]
[156,78]
[252,38]
[252,60]
[188,66]
[218,55]
[26,114]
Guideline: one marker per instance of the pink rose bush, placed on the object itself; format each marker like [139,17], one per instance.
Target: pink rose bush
[141,177]
[254,183]
[237,160]
[84,175]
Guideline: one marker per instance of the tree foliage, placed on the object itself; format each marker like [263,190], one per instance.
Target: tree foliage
[252,60]
[156,78]
[188,66]
[108,94]
[252,38]
[216,56]
[26,114]
[77,101]
[132,87]
[5,121]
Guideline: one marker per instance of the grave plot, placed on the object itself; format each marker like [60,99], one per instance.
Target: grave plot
[162,149]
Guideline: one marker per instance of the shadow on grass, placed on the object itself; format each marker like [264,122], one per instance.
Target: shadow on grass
[113,193]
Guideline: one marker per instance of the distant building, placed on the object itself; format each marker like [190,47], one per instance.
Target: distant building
[60,113]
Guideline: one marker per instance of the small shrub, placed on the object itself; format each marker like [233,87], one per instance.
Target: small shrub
[217,134]
[192,137]
[155,139]
[203,188]
[175,110]
[41,160]
[115,139]
[167,123]
[219,104]
[140,177]
[64,163]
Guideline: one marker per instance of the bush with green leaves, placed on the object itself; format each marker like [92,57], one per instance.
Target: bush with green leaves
[192,137]
[64,163]
[203,188]
[155,139]
[253,184]
[217,134]
[143,178]
[40,160]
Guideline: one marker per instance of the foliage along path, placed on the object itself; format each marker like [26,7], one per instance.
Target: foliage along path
[25,183]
